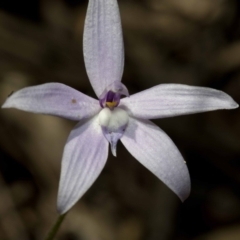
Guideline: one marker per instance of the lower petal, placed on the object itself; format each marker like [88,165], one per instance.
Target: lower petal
[84,157]
[157,152]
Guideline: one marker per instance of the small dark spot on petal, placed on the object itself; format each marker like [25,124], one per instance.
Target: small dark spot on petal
[11,93]
[74,100]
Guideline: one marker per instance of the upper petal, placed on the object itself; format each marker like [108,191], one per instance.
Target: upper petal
[103,44]
[84,157]
[157,152]
[55,99]
[167,100]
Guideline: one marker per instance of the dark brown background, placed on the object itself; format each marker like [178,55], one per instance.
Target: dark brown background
[194,42]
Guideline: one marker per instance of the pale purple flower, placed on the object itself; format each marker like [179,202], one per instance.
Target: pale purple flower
[110,118]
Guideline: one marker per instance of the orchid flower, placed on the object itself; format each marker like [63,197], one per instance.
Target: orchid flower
[112,118]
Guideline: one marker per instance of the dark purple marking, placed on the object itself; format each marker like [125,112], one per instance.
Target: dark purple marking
[110,96]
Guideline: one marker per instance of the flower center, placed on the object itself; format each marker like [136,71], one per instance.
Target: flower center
[110,100]
[113,123]
[113,120]
[110,97]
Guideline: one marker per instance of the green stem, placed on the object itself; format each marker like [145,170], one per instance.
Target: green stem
[55,227]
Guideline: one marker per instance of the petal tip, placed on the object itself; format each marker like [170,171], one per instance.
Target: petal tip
[234,105]
[185,191]
[114,150]
[230,103]
[8,101]
[6,104]
[185,197]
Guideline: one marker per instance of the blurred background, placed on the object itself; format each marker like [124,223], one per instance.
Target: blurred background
[195,42]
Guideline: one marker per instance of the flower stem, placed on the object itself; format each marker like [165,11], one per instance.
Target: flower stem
[55,227]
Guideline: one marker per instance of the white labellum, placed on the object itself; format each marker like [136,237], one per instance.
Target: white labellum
[113,123]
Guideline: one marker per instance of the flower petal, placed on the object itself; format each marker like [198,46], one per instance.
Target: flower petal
[103,44]
[113,124]
[156,151]
[113,137]
[84,157]
[168,100]
[116,87]
[55,99]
